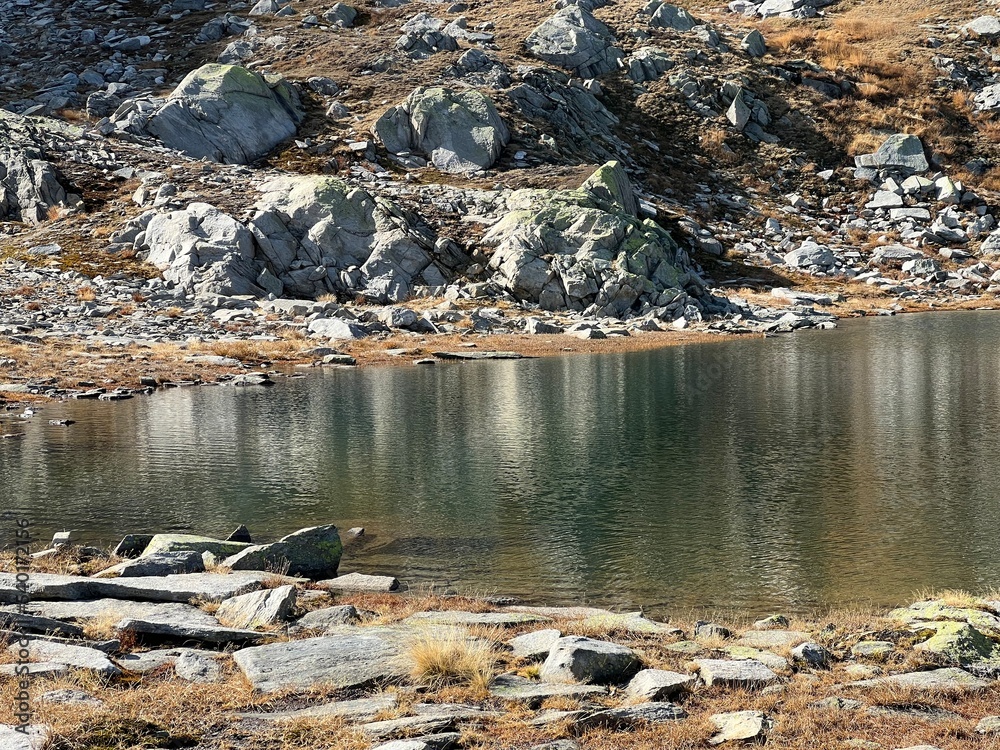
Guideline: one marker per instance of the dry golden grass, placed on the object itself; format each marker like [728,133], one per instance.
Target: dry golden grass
[452,659]
[86,294]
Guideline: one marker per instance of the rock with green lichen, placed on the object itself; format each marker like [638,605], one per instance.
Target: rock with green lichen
[585,250]
[936,610]
[165,543]
[960,643]
[312,553]
[227,114]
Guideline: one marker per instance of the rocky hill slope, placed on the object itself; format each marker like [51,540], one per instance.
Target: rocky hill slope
[183,168]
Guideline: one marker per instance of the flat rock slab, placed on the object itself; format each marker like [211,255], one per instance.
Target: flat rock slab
[442,741]
[628,622]
[631,716]
[457,617]
[36,624]
[36,669]
[523,690]
[217,635]
[169,612]
[385,730]
[361,709]
[747,673]
[766,639]
[562,613]
[479,355]
[212,587]
[360,582]
[935,679]
[33,738]
[322,619]
[341,661]
[157,564]
[77,657]
[767,658]
[739,725]
[657,684]
[171,543]
[534,645]
[989,725]
[452,710]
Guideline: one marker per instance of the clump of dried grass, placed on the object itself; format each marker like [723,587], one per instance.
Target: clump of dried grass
[452,659]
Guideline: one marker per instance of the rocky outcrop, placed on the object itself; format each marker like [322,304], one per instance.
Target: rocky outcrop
[227,113]
[313,553]
[456,131]
[203,250]
[318,235]
[584,250]
[574,39]
[29,185]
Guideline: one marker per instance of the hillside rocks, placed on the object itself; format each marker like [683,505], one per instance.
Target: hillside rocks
[581,251]
[29,185]
[575,40]
[458,131]
[898,152]
[227,113]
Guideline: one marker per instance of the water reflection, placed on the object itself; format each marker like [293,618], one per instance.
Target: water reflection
[831,467]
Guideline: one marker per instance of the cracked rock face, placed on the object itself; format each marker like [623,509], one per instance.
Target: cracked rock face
[29,186]
[227,114]
[574,39]
[458,131]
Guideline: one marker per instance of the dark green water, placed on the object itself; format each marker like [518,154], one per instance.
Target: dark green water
[822,468]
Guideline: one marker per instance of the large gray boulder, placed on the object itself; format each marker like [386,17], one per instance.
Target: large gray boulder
[900,152]
[227,113]
[574,39]
[203,250]
[459,131]
[584,250]
[29,185]
[666,16]
[258,609]
[313,553]
[319,235]
[578,659]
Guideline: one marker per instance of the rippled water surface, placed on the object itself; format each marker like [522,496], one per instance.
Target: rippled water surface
[822,468]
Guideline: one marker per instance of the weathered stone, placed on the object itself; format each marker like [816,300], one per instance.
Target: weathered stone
[360,582]
[360,709]
[947,678]
[668,16]
[183,632]
[191,665]
[631,716]
[989,725]
[753,44]
[106,609]
[35,669]
[984,27]
[739,725]
[259,609]
[740,673]
[772,638]
[959,643]
[897,152]
[170,543]
[628,622]
[321,619]
[383,730]
[929,611]
[77,657]
[579,659]
[228,114]
[872,649]
[534,645]
[659,684]
[77,697]
[812,654]
[574,39]
[172,588]
[29,185]
[158,564]
[458,617]
[768,658]
[350,660]
[132,545]
[30,737]
[28,623]
[836,704]
[313,553]
[440,741]
[459,131]
[522,690]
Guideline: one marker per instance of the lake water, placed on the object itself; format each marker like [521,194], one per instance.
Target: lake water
[821,468]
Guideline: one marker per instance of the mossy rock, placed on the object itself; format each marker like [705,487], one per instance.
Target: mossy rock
[192,543]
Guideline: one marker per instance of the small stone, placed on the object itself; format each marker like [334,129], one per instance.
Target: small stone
[812,654]
[989,725]
[772,622]
[360,582]
[739,725]
[659,684]
[535,645]
[739,673]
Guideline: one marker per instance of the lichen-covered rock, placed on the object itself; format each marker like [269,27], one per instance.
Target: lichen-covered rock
[583,250]
[667,16]
[935,610]
[899,151]
[203,250]
[459,131]
[227,113]
[959,643]
[162,543]
[574,39]
[319,235]
[313,553]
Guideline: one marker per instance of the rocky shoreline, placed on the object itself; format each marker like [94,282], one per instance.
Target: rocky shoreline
[180,640]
